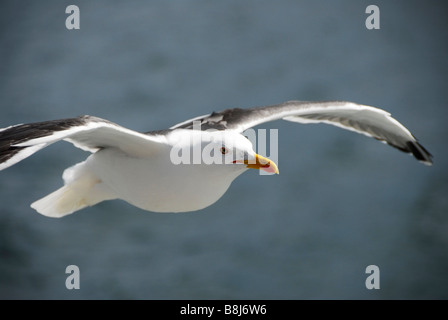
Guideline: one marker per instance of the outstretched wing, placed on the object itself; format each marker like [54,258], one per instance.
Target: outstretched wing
[367,120]
[86,132]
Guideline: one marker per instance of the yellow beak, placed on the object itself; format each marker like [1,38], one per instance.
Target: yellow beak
[261,163]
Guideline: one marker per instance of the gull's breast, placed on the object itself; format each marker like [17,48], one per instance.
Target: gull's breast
[156,184]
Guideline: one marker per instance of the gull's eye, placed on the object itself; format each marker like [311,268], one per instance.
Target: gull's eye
[224,150]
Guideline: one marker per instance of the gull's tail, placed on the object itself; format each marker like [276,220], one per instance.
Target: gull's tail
[81,190]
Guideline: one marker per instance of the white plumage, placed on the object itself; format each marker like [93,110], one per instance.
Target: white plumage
[142,168]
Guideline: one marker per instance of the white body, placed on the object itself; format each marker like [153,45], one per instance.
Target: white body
[178,188]
[151,182]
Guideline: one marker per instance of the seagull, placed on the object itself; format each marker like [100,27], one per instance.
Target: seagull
[144,168]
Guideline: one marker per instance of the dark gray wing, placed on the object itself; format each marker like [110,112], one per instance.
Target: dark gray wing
[86,132]
[366,120]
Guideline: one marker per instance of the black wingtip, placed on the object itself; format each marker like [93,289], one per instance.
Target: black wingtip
[13,135]
[419,152]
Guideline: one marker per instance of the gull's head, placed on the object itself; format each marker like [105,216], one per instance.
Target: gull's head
[238,150]
[228,148]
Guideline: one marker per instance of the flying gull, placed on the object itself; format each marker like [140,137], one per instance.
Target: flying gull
[139,167]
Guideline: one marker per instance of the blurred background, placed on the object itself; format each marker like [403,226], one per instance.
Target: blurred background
[341,202]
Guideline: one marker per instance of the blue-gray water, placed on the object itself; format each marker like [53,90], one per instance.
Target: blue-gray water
[341,202]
